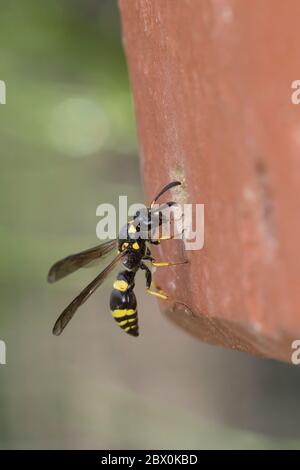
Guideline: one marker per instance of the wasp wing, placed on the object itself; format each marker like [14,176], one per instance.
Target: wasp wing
[69,312]
[73,262]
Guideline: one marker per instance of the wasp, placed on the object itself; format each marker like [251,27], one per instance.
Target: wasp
[133,249]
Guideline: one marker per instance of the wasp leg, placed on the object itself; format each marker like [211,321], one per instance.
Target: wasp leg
[148,258]
[166,237]
[155,286]
[157,242]
[154,242]
[148,275]
[163,296]
[148,252]
[160,294]
[160,264]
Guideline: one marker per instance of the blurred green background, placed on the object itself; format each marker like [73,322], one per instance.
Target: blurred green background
[68,143]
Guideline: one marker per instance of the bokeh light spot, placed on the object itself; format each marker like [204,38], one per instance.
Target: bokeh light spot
[78,127]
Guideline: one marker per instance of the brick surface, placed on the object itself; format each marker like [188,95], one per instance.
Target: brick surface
[212,90]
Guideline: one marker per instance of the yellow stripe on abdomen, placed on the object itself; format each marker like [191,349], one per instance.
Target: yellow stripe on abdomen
[127,320]
[119,313]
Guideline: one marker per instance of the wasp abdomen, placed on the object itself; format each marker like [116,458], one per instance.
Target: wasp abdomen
[123,307]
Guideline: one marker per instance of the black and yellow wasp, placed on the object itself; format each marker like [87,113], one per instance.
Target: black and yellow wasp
[133,250]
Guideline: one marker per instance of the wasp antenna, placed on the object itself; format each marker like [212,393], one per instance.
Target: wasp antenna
[165,205]
[164,190]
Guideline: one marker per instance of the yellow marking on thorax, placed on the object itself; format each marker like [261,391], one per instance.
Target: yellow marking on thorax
[136,246]
[124,246]
[121,285]
[122,312]
[131,229]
